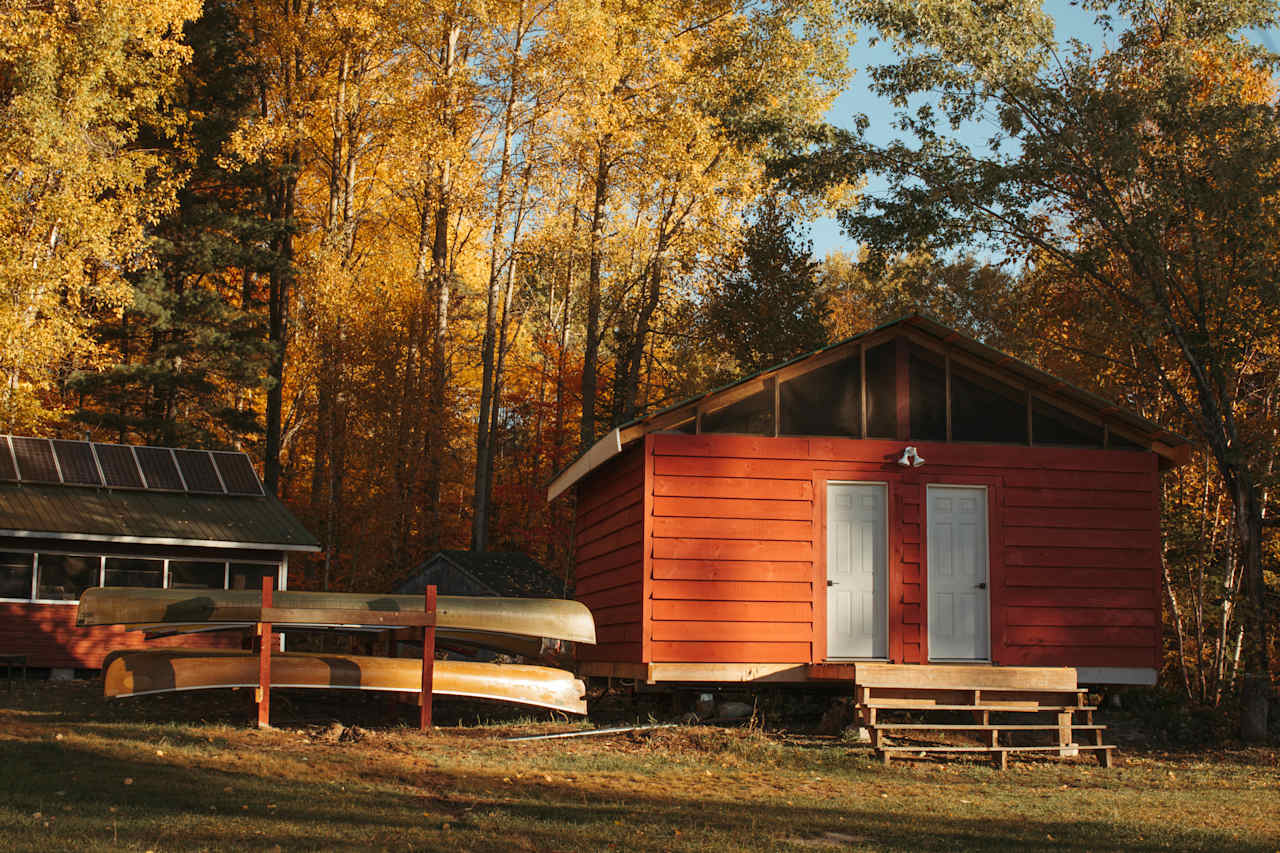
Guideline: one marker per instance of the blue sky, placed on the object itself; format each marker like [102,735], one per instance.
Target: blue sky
[1071,23]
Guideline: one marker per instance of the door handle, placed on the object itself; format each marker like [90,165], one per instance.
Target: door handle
[831,583]
[982,585]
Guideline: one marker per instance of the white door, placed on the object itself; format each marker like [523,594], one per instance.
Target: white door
[958,601]
[857,558]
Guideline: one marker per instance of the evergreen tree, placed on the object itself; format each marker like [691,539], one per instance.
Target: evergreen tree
[770,304]
[190,350]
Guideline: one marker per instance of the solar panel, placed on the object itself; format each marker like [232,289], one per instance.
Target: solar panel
[35,460]
[75,458]
[118,466]
[158,467]
[8,470]
[237,473]
[198,471]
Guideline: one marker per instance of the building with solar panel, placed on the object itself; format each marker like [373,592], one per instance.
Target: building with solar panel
[76,514]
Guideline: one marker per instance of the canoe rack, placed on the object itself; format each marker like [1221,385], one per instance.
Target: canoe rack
[264,641]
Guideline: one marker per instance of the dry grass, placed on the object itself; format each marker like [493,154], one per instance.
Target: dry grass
[81,773]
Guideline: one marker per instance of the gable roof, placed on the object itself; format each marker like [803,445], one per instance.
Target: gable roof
[503,573]
[1171,447]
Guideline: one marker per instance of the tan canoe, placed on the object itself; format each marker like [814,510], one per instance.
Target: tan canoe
[140,672]
[552,618]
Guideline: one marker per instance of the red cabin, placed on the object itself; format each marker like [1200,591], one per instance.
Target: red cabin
[908,496]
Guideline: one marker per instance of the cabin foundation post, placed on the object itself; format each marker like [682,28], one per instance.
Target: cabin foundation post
[263,640]
[428,659]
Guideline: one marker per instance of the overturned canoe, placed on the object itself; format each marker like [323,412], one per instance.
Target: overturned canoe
[140,672]
[552,618]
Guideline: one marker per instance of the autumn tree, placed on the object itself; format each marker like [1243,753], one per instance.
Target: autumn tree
[1147,178]
[78,81]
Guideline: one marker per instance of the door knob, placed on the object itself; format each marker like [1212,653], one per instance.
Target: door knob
[982,585]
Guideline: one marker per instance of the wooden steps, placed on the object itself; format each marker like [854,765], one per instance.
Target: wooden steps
[1029,701]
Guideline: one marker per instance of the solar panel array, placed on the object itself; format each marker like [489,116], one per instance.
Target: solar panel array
[122,466]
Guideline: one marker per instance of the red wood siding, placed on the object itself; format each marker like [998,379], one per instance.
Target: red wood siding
[48,636]
[609,556]
[736,559]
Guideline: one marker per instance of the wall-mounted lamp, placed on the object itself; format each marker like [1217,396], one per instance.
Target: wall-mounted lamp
[911,458]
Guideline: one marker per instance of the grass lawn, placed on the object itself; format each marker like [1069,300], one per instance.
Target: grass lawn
[186,772]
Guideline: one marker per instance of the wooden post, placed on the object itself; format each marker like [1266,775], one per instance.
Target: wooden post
[428,660]
[263,693]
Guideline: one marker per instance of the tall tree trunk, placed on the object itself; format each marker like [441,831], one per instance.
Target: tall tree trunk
[1256,686]
[279,284]
[591,344]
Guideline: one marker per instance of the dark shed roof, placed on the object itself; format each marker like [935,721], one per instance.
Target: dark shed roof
[117,515]
[502,573]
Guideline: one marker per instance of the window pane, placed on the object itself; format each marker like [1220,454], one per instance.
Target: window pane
[250,575]
[62,577]
[1051,425]
[826,401]
[882,391]
[984,410]
[126,571]
[15,575]
[753,416]
[928,396]
[184,574]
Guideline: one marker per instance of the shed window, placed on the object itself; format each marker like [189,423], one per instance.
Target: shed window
[1051,425]
[250,575]
[62,577]
[882,391]
[15,575]
[983,409]
[753,415]
[928,396]
[191,574]
[128,571]
[825,401]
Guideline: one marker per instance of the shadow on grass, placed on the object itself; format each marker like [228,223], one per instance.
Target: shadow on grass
[83,801]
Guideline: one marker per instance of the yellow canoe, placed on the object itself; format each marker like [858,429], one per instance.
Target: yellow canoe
[553,618]
[142,672]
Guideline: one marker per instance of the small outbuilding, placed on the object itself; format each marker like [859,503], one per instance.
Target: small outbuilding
[510,574]
[907,496]
[76,514]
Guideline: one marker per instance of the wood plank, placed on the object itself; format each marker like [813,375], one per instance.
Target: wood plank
[1108,518]
[732,528]
[1125,637]
[743,446]
[733,570]
[703,673]
[745,488]
[764,469]
[708,652]
[963,677]
[1078,656]
[1066,538]
[605,575]
[610,481]
[627,633]
[1076,498]
[1059,578]
[627,536]
[732,549]
[768,612]
[623,518]
[612,597]
[1144,558]
[726,591]
[762,508]
[989,457]
[590,518]
[1028,617]
[1119,599]
[604,669]
[731,632]
[611,652]
[630,613]
[1035,478]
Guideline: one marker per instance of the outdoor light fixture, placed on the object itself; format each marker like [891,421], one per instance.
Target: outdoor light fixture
[911,458]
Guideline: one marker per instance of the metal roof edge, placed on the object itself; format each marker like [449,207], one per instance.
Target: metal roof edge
[160,540]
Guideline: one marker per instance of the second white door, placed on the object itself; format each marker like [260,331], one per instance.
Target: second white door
[857,558]
[957,553]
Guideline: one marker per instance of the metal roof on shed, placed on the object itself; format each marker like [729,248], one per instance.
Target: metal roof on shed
[116,515]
